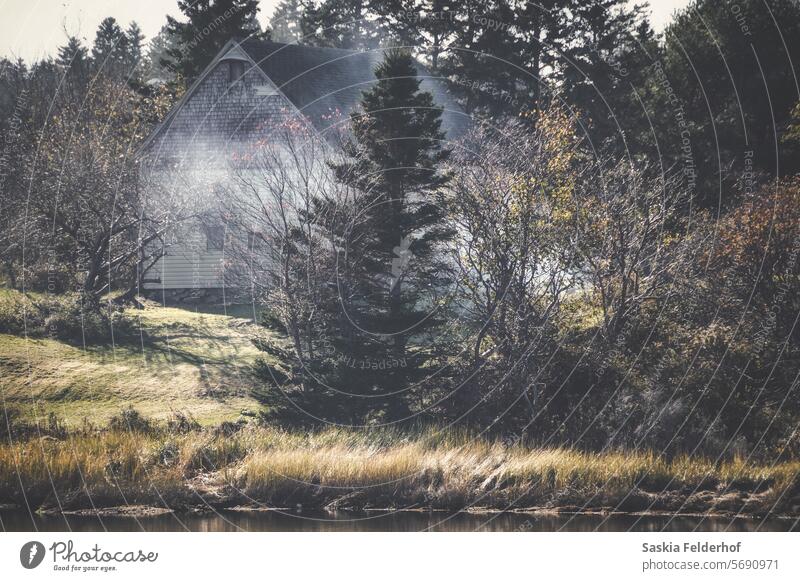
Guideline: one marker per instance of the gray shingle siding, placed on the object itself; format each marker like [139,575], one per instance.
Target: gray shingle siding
[219,120]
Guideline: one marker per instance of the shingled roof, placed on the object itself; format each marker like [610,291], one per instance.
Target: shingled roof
[323,84]
[321,81]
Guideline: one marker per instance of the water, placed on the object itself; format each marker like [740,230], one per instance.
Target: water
[21,520]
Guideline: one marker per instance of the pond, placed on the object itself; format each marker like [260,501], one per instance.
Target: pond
[293,521]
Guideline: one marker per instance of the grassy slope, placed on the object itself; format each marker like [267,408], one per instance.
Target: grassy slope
[184,361]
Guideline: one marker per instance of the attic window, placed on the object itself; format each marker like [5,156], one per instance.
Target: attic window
[235,71]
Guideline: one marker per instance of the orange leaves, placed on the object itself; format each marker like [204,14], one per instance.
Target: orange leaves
[764,228]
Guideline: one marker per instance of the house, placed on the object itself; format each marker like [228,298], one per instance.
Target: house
[250,87]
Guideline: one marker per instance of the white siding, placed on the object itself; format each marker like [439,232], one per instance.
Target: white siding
[188,265]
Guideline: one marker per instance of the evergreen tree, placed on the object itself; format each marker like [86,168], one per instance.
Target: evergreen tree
[493,62]
[211,23]
[431,31]
[159,65]
[349,24]
[496,53]
[732,75]
[110,48]
[73,57]
[607,73]
[396,275]
[286,22]
[134,45]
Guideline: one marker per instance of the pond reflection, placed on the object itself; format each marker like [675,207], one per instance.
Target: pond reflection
[273,520]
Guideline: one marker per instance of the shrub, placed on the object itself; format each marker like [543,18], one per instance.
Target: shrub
[272,321]
[271,374]
[18,313]
[182,423]
[14,427]
[131,420]
[9,423]
[50,279]
[229,428]
[55,427]
[211,452]
[70,319]
[64,317]
[168,453]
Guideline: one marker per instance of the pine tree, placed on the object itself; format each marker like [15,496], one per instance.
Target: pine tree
[500,51]
[431,33]
[110,48]
[286,22]
[397,273]
[607,71]
[211,23]
[349,24]
[134,54]
[73,57]
[159,65]
[744,120]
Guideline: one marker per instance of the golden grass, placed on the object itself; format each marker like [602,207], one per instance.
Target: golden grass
[379,469]
[112,468]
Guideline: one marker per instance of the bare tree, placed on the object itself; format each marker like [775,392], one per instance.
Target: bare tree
[276,249]
[513,205]
[90,204]
[630,253]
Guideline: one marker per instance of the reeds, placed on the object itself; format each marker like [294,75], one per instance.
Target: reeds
[370,469]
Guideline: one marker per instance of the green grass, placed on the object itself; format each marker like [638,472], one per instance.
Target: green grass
[197,362]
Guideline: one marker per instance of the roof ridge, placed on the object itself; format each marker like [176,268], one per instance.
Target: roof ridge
[307,46]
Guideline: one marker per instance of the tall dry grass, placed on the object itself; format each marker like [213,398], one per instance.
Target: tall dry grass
[380,469]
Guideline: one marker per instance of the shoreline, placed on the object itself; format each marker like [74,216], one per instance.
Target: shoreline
[110,472]
[148,511]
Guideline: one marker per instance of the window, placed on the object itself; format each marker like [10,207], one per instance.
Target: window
[235,71]
[215,238]
[252,240]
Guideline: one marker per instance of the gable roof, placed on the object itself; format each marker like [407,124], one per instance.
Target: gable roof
[319,81]
[323,84]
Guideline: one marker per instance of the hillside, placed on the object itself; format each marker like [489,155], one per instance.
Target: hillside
[183,360]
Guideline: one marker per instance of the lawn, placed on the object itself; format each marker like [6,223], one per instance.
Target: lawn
[182,360]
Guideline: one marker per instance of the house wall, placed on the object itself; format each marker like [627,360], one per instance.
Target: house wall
[217,124]
[219,121]
[189,264]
